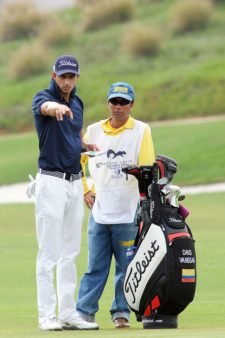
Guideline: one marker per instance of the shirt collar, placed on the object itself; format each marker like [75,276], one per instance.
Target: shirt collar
[105,124]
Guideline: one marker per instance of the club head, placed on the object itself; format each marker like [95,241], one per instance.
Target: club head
[172,195]
[181,197]
[163,181]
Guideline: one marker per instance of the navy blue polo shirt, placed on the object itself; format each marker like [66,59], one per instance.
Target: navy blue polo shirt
[59,141]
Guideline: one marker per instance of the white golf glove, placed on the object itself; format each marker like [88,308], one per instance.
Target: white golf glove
[31,187]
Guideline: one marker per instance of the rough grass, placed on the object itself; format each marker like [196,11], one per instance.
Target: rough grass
[19,20]
[104,13]
[191,15]
[142,40]
[29,61]
[50,38]
[185,78]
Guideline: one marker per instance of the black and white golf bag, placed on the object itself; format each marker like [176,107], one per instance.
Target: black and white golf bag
[161,278]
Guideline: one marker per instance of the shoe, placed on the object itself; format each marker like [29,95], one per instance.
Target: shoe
[121,323]
[90,318]
[50,324]
[78,323]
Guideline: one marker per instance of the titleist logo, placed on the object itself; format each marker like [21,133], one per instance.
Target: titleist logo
[174,220]
[135,276]
[152,207]
[67,63]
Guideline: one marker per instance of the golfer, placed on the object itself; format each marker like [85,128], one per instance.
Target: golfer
[58,115]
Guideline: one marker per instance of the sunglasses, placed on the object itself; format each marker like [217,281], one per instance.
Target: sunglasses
[122,102]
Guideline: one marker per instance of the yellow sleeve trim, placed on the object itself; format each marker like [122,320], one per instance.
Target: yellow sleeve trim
[147,153]
[83,162]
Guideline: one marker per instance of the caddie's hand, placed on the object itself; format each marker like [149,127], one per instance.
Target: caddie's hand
[62,110]
[89,199]
[92,147]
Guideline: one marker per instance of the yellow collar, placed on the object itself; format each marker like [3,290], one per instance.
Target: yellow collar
[108,129]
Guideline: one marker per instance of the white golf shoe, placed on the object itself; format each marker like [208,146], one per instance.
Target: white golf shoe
[50,324]
[78,323]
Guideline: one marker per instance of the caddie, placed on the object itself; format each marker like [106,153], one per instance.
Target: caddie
[113,201]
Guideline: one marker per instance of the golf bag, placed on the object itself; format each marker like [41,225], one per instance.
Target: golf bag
[160,280]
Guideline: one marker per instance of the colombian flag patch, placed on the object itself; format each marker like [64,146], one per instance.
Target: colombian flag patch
[188,276]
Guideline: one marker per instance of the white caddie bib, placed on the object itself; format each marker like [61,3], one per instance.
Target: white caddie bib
[116,194]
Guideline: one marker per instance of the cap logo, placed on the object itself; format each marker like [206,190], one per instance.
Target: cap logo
[67,63]
[121,89]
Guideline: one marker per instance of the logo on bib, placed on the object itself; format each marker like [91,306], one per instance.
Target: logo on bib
[111,153]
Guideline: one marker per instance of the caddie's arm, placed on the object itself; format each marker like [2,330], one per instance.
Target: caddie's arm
[147,153]
[55,109]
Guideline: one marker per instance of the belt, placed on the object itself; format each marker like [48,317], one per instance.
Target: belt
[64,176]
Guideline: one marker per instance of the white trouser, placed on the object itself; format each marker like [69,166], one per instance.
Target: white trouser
[59,216]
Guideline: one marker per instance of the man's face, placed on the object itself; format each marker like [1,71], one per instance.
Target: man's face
[65,82]
[120,108]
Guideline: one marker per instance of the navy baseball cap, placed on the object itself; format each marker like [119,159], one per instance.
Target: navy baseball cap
[66,64]
[121,89]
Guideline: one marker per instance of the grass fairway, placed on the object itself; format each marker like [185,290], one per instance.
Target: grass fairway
[18,248]
[199,150]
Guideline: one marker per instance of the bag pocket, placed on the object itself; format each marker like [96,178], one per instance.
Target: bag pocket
[183,274]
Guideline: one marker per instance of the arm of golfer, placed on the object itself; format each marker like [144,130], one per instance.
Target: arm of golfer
[55,109]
